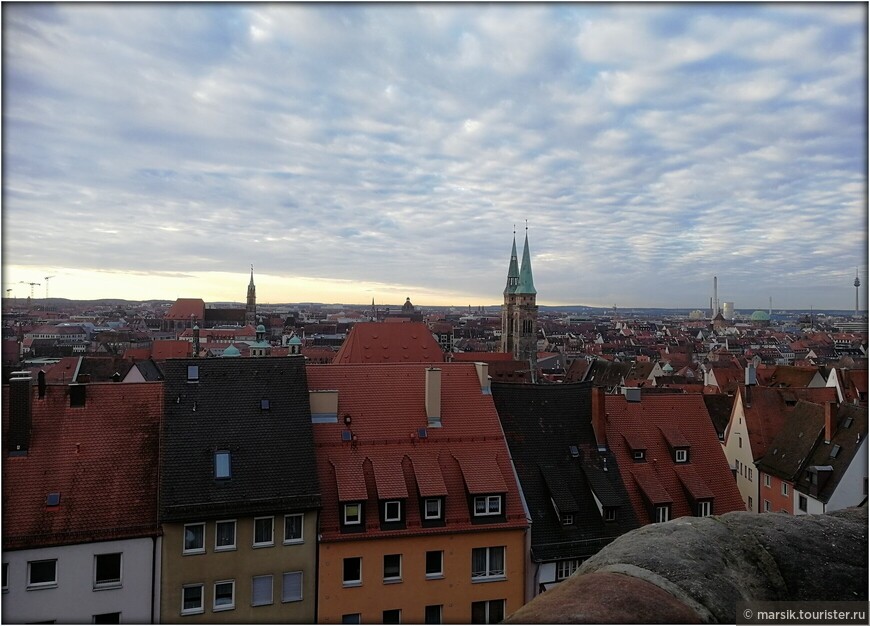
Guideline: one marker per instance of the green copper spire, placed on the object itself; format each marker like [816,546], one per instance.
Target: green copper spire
[513,276]
[526,284]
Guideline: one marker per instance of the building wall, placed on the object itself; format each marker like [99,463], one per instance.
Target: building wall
[241,565]
[74,599]
[455,591]
[737,448]
[779,503]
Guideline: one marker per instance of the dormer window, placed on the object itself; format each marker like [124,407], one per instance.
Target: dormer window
[610,514]
[638,455]
[704,508]
[681,455]
[352,514]
[568,519]
[393,511]
[487,505]
[432,508]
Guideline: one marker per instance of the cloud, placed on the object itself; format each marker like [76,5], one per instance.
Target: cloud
[649,146]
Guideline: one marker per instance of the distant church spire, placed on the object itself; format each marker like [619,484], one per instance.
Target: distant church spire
[519,320]
[251,304]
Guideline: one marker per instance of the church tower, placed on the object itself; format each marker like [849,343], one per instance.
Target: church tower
[519,316]
[251,306]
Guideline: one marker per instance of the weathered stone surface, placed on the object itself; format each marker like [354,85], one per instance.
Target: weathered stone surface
[709,564]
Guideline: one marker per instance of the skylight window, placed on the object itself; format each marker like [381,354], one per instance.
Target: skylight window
[835,451]
[265,404]
[53,499]
[192,373]
[574,451]
[222,464]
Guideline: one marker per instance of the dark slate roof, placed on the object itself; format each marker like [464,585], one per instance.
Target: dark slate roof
[541,423]
[149,370]
[849,439]
[272,451]
[719,406]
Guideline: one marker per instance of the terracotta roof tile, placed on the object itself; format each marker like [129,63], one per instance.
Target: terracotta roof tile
[649,484]
[101,458]
[376,343]
[389,477]
[480,472]
[430,482]
[349,478]
[184,308]
[694,484]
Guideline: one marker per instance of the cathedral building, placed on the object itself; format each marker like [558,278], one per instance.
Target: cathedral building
[519,313]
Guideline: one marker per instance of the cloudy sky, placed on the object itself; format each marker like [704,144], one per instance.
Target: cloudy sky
[360,151]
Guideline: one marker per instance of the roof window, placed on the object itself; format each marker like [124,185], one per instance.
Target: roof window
[835,450]
[192,373]
[53,499]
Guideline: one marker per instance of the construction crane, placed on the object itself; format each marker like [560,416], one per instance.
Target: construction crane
[32,285]
[47,278]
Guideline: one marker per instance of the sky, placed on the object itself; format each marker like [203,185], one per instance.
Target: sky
[352,152]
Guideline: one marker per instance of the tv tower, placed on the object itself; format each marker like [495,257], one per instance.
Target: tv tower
[857,284]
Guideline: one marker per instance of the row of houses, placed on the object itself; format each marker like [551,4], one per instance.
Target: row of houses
[268,490]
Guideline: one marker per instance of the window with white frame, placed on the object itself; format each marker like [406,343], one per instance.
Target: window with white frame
[785,489]
[638,455]
[566,568]
[291,587]
[191,599]
[681,455]
[568,519]
[352,514]
[487,612]
[432,508]
[393,511]
[610,514]
[662,513]
[194,538]
[434,564]
[487,563]
[225,535]
[749,473]
[767,480]
[224,595]
[487,505]
[41,573]
[107,570]
[767,506]
[261,590]
[704,508]
[293,528]
[392,568]
[264,531]
[352,571]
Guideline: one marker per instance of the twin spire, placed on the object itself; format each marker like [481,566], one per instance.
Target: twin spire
[519,280]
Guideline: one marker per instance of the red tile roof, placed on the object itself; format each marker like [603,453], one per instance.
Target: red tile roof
[101,458]
[185,308]
[163,349]
[389,459]
[484,357]
[377,342]
[769,407]
[659,478]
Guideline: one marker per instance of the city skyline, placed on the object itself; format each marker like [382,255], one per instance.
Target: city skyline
[359,152]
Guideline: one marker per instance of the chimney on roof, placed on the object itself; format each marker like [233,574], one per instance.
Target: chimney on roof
[483,377]
[20,412]
[829,421]
[598,416]
[433,396]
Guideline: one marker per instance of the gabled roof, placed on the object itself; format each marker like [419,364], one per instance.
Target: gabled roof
[767,409]
[272,451]
[378,343]
[659,478]
[795,441]
[548,429]
[388,456]
[186,309]
[719,406]
[101,458]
